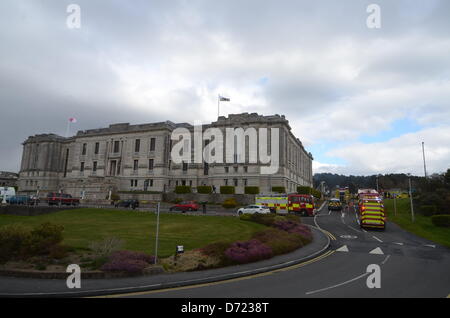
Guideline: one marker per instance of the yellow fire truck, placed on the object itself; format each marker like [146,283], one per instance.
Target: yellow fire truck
[288,203]
[371,210]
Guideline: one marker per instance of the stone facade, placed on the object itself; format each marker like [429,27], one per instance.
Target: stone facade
[126,157]
[8,179]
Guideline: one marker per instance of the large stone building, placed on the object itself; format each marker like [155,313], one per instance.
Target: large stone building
[126,157]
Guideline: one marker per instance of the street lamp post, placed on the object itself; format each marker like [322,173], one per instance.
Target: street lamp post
[411,199]
[157,233]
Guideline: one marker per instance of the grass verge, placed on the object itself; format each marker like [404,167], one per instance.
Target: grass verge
[422,225]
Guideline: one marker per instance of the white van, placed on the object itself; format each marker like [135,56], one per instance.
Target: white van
[8,192]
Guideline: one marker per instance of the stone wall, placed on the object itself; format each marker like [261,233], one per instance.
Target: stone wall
[215,198]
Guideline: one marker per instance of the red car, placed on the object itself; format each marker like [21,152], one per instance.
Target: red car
[185,206]
[54,198]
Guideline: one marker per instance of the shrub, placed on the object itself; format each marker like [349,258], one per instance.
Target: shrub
[177,200]
[227,189]
[12,238]
[441,220]
[182,189]
[304,190]
[229,203]
[265,219]
[42,240]
[128,261]
[115,197]
[106,247]
[204,189]
[279,241]
[428,210]
[279,189]
[248,251]
[217,251]
[251,190]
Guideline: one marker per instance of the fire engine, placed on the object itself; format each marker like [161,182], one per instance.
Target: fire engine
[288,203]
[371,209]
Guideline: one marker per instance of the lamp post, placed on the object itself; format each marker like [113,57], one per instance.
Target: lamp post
[157,233]
[411,199]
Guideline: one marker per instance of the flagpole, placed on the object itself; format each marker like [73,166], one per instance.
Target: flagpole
[67,129]
[218,105]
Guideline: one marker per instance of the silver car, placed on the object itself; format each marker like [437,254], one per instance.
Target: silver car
[252,209]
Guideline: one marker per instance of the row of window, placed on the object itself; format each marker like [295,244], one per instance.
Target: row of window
[116,146]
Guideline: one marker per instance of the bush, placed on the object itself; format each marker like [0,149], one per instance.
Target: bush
[304,190]
[428,210]
[279,189]
[281,242]
[128,261]
[251,190]
[229,203]
[12,238]
[106,247]
[248,251]
[227,189]
[115,197]
[204,189]
[177,200]
[217,250]
[42,239]
[182,189]
[441,220]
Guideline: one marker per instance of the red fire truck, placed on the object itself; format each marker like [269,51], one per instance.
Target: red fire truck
[288,203]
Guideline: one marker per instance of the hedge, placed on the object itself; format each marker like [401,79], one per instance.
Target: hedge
[229,203]
[279,189]
[441,220]
[227,190]
[182,189]
[204,189]
[428,210]
[251,190]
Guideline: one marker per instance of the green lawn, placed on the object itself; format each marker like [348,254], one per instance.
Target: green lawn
[422,225]
[83,226]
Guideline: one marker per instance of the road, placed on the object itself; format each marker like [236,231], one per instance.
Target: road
[410,267]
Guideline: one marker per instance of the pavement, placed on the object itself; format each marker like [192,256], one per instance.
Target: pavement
[34,287]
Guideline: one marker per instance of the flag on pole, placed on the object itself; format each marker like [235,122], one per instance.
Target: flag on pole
[72,120]
[223,99]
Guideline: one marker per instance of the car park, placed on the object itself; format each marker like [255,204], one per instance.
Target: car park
[253,209]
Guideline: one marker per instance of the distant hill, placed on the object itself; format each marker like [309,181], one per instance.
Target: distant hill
[389,181]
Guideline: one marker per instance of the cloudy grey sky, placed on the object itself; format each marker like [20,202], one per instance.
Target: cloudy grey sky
[362,100]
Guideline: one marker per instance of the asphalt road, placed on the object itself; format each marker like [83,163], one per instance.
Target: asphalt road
[409,266]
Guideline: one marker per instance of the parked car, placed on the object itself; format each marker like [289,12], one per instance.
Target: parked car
[127,204]
[252,209]
[185,206]
[54,198]
[18,199]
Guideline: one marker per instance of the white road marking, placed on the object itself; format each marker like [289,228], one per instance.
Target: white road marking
[429,245]
[377,239]
[342,249]
[354,229]
[334,286]
[346,282]
[398,243]
[376,251]
[385,260]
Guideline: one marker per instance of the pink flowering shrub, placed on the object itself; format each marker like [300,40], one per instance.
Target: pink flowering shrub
[128,261]
[248,251]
